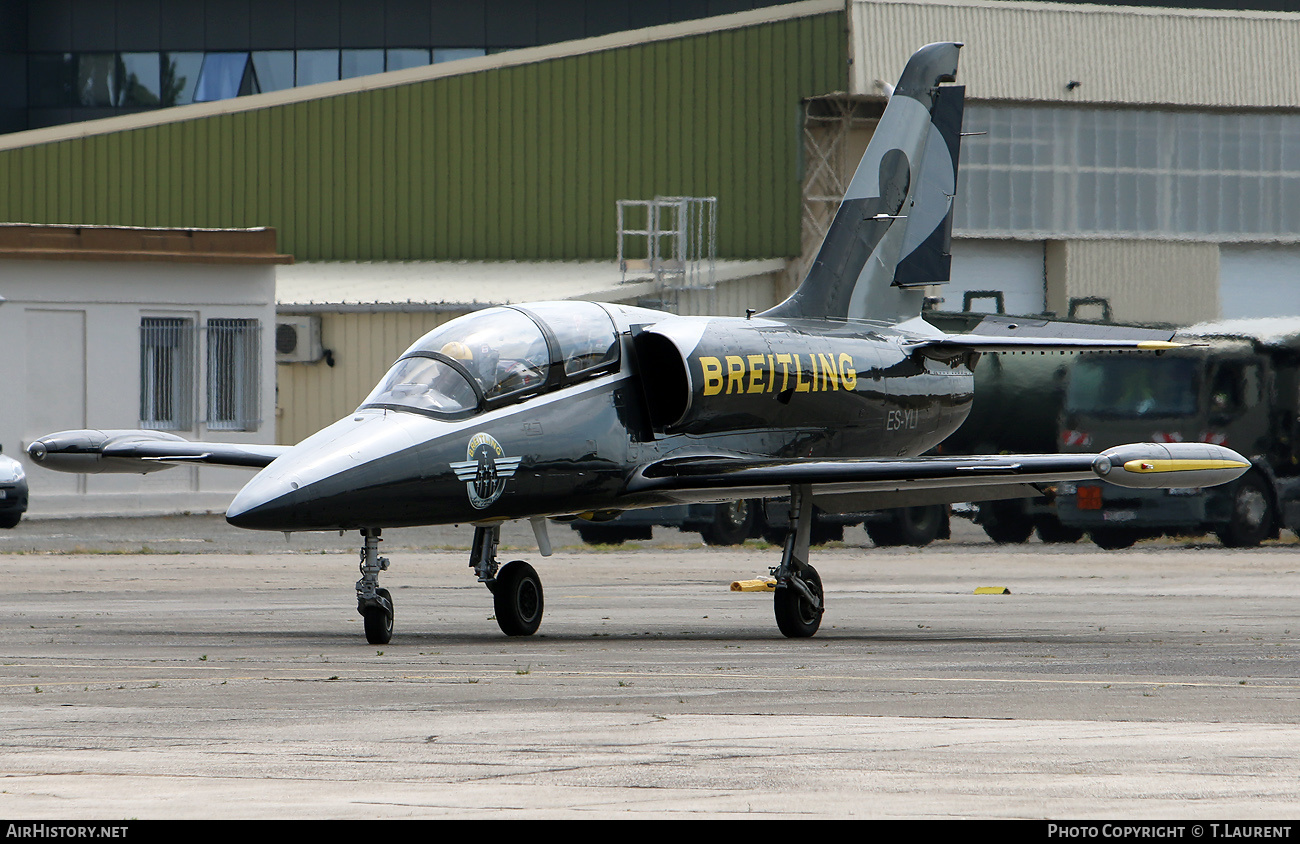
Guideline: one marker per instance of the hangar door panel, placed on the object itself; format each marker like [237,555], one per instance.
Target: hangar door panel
[56,387]
[982,269]
[1259,281]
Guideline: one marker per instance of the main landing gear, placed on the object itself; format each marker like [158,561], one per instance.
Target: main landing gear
[516,588]
[798,599]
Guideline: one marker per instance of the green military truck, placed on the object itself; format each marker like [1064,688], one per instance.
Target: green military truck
[1240,388]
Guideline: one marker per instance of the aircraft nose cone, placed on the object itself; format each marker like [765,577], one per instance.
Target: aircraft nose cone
[265,504]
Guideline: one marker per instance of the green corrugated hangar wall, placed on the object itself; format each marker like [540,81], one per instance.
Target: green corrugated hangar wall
[522,162]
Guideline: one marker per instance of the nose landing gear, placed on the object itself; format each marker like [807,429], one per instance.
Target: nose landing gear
[374,604]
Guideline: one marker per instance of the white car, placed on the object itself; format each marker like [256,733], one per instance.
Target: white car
[13,492]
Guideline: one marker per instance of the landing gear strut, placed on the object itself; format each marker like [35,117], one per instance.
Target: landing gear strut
[516,588]
[798,600]
[374,604]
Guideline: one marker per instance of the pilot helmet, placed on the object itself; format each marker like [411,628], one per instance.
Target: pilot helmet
[457,350]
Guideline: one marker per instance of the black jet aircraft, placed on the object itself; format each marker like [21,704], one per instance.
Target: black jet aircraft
[553,410]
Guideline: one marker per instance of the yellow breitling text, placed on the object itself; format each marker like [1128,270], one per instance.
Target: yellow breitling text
[776,373]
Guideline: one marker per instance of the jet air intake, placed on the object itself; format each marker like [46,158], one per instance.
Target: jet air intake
[708,376]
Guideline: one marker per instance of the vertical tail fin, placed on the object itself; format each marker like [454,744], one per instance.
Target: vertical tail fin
[891,235]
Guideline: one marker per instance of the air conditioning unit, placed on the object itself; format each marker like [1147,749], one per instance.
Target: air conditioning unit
[297,339]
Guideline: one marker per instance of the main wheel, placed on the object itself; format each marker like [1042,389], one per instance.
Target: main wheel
[732,523]
[379,621]
[795,617]
[1252,514]
[10,520]
[517,597]
[908,526]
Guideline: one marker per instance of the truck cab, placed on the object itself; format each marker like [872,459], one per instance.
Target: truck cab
[1231,389]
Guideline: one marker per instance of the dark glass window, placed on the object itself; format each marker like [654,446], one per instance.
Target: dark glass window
[49,80]
[180,76]
[361,63]
[450,54]
[317,66]
[98,79]
[274,69]
[141,79]
[223,75]
[404,58]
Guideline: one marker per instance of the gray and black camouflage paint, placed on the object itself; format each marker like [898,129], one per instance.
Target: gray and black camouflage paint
[891,234]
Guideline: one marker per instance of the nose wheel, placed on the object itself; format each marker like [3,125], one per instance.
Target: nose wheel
[374,604]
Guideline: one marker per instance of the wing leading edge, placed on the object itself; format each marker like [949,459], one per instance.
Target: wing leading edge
[909,481]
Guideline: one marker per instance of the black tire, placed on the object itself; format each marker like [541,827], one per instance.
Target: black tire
[518,600]
[909,526]
[612,534]
[1051,531]
[795,617]
[379,621]
[10,520]
[1005,522]
[821,532]
[732,523]
[1113,538]
[1251,521]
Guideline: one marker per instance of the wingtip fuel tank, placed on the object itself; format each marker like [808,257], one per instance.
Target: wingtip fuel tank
[1169,465]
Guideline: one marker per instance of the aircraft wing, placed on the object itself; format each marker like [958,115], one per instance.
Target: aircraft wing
[92,452]
[1029,334]
[910,481]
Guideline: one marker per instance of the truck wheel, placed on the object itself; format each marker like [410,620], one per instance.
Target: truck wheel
[908,526]
[1251,521]
[1050,530]
[819,534]
[611,534]
[732,524]
[1005,522]
[1113,539]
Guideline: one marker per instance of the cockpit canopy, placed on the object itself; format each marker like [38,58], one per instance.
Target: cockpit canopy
[500,355]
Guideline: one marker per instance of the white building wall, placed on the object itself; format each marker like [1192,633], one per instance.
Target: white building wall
[1030,52]
[73,361]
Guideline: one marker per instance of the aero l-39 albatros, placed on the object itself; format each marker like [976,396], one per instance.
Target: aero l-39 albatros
[555,409]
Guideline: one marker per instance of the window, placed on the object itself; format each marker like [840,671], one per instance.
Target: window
[234,374]
[274,69]
[141,79]
[223,76]
[401,59]
[361,63]
[167,373]
[1065,172]
[316,66]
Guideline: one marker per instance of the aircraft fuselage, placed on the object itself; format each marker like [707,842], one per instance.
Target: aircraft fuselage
[753,387]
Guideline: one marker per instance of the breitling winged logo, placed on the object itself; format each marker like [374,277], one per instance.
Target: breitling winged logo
[485,470]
